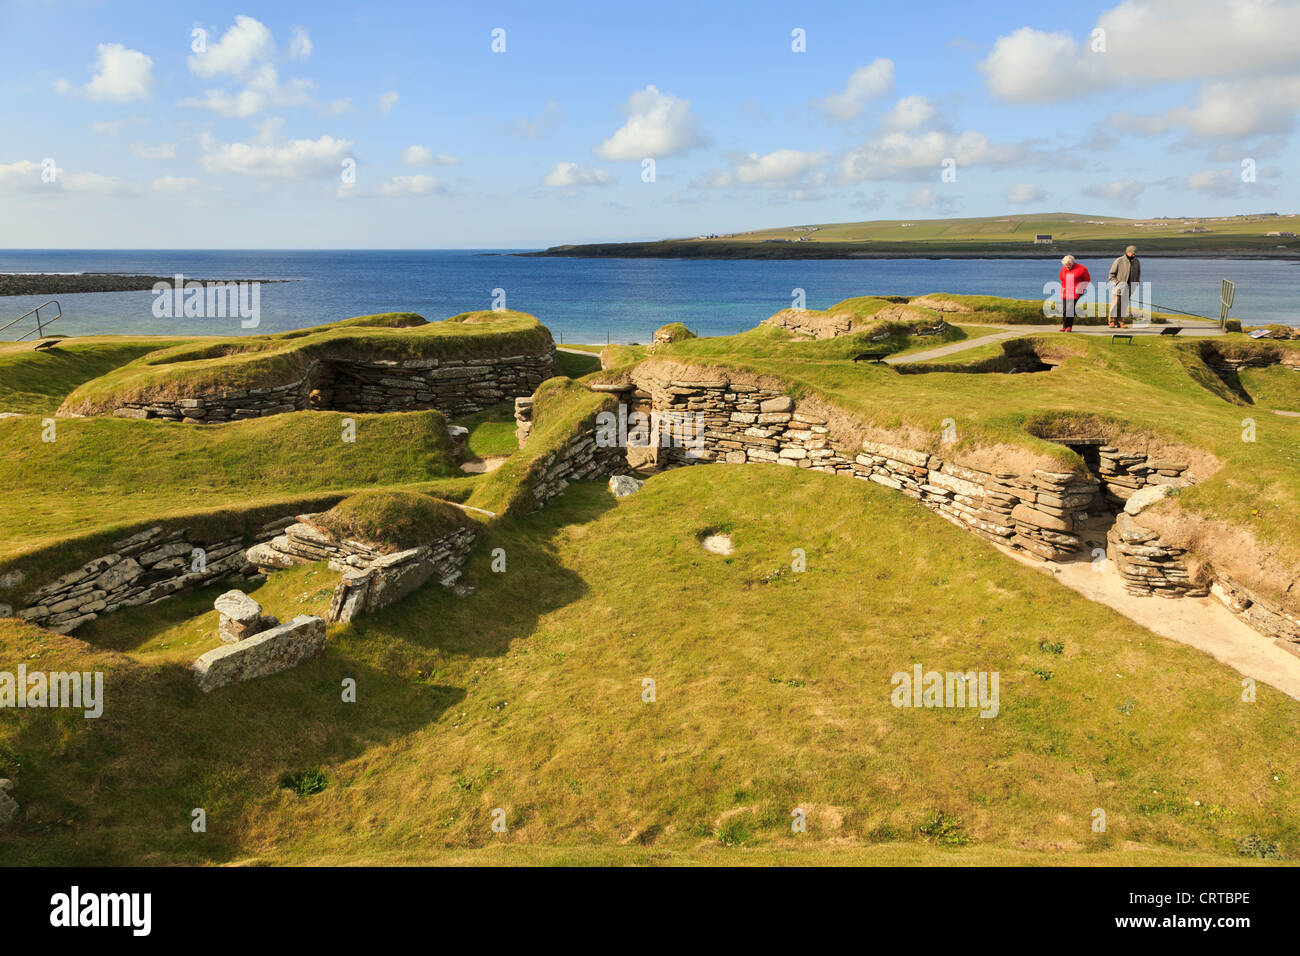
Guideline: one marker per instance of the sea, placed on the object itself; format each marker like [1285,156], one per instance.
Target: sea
[595,301]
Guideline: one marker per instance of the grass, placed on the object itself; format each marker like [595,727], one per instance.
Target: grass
[491,431]
[575,366]
[1086,236]
[1273,387]
[560,407]
[771,686]
[1162,390]
[391,520]
[528,696]
[37,382]
[269,360]
[110,472]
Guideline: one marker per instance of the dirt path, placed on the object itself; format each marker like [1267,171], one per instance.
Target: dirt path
[1016,331]
[952,347]
[1202,623]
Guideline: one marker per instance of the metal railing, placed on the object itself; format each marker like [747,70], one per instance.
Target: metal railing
[40,323]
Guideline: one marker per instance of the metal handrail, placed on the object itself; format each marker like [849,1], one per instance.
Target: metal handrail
[40,325]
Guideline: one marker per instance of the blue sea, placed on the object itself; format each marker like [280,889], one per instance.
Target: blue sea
[596,300]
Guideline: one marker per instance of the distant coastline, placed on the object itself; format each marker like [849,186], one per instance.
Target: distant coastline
[694,249]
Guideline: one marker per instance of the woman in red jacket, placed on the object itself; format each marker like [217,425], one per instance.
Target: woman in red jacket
[1074,283]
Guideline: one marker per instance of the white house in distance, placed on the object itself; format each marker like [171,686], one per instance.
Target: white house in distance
[1043,239]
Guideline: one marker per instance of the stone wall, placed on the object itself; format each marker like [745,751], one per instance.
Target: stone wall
[371,579]
[453,386]
[1039,513]
[581,459]
[813,324]
[1147,565]
[1123,473]
[267,652]
[141,569]
[1034,512]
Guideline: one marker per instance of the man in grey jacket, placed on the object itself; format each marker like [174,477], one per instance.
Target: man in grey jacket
[1125,274]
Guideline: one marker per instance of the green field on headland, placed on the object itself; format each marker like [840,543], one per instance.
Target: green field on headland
[986,237]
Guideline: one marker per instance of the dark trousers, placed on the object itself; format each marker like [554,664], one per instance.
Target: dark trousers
[1068,307]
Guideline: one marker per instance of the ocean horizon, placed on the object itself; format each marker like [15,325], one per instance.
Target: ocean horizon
[593,300]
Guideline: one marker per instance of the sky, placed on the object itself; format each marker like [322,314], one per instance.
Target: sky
[298,125]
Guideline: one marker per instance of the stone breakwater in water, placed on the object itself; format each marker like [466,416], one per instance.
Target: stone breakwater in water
[371,578]
[453,386]
[141,569]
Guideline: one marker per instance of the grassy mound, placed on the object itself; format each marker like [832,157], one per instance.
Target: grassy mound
[528,696]
[37,382]
[113,471]
[673,332]
[561,409]
[391,520]
[261,361]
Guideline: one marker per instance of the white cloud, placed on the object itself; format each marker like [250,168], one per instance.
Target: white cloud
[1031,66]
[232,105]
[1023,193]
[925,199]
[423,156]
[245,53]
[909,114]
[297,159]
[1242,49]
[1131,122]
[532,127]
[113,127]
[27,176]
[160,151]
[93,183]
[573,176]
[1119,190]
[920,155]
[173,184]
[1242,108]
[121,75]
[658,125]
[22,174]
[299,44]
[867,82]
[247,43]
[781,168]
[417,185]
[387,101]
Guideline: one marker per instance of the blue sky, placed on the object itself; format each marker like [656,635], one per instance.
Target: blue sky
[119,133]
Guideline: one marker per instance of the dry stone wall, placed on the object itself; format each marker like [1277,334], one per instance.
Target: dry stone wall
[371,579]
[822,325]
[1040,513]
[582,458]
[453,386]
[143,568]
[1035,512]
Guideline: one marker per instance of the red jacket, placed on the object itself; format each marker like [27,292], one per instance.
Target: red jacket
[1074,281]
